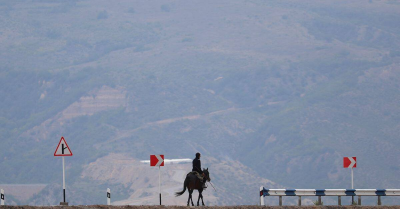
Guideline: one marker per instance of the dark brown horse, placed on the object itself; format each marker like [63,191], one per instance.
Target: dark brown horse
[192,183]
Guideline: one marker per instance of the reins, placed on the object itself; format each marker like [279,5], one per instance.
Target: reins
[209,181]
[212,186]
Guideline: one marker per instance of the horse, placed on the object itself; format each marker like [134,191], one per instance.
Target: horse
[192,183]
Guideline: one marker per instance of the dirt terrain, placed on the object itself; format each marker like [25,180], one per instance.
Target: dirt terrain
[210,207]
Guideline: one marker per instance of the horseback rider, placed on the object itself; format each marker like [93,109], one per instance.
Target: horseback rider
[197,170]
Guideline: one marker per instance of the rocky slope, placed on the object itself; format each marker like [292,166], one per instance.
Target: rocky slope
[274,91]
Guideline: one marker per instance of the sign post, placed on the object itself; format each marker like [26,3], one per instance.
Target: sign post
[352,179]
[157,160]
[62,151]
[350,162]
[63,177]
[262,196]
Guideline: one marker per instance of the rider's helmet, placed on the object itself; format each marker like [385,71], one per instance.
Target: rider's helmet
[198,155]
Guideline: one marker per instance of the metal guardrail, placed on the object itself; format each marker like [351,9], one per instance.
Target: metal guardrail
[327,192]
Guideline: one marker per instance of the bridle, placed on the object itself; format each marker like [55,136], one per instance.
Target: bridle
[207,176]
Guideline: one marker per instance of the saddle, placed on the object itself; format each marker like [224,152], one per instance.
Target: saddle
[193,173]
[196,174]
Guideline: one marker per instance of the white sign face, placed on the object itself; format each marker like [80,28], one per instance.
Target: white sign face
[62,148]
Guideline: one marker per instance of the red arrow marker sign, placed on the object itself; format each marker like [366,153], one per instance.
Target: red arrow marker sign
[156,160]
[350,162]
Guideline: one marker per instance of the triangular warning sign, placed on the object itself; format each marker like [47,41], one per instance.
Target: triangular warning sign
[62,148]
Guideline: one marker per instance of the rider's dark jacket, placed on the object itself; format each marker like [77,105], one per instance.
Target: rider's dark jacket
[197,165]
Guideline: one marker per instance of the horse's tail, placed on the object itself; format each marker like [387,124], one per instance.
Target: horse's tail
[184,188]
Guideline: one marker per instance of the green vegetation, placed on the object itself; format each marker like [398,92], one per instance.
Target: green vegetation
[317,202]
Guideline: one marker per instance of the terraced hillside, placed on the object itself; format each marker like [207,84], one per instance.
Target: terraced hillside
[272,93]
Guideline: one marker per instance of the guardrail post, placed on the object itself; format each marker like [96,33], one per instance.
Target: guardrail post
[339,201]
[319,200]
[299,200]
[280,200]
[108,196]
[262,196]
[2,197]
[359,200]
[379,200]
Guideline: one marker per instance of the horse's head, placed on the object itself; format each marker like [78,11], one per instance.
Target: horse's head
[206,174]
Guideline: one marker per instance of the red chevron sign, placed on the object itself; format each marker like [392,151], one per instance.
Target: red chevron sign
[156,160]
[350,162]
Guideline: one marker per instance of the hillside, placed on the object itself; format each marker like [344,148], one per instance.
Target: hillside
[270,92]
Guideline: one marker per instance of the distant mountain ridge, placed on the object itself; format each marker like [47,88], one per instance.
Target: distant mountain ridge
[274,92]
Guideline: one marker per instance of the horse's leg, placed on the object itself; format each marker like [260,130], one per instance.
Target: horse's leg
[198,200]
[202,201]
[189,197]
[201,196]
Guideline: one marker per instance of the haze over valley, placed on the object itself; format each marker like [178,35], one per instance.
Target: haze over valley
[272,93]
